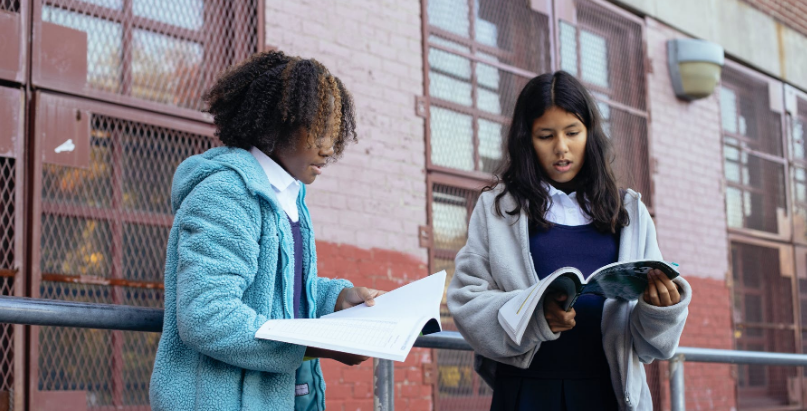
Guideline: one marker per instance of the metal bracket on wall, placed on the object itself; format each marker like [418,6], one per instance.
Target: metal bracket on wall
[421,106]
[425,236]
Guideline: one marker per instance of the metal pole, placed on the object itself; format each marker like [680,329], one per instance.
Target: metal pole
[384,385]
[677,390]
[34,311]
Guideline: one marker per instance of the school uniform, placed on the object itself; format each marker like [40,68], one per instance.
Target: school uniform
[570,372]
[596,365]
[235,260]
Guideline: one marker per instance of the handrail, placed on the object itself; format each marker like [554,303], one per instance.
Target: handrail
[34,311]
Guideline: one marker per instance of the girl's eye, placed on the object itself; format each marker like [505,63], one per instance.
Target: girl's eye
[544,137]
[572,134]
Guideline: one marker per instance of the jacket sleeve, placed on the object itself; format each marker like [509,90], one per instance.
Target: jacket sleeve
[656,331]
[219,233]
[474,299]
[327,292]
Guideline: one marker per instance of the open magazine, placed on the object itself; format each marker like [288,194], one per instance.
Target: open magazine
[386,330]
[626,280]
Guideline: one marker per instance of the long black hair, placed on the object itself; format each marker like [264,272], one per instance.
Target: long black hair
[522,175]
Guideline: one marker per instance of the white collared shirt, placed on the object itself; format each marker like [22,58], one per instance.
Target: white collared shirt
[285,186]
[564,208]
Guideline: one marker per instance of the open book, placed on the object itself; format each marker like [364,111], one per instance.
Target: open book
[386,330]
[626,280]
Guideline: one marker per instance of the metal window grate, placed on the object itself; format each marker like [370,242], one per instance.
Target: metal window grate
[156,51]
[480,55]
[457,386]
[103,236]
[605,51]
[754,163]
[798,171]
[12,6]
[8,234]
[764,320]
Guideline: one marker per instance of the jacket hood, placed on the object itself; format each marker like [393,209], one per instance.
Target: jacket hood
[197,168]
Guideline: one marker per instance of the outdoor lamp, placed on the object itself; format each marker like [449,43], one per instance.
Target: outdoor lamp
[695,67]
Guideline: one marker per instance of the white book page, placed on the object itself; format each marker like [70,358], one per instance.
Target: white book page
[387,330]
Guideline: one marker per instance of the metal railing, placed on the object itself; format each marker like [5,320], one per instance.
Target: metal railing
[31,311]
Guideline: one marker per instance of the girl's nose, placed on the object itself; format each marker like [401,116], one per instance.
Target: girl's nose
[561,146]
[326,150]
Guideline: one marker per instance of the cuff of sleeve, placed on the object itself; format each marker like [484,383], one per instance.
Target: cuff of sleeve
[334,288]
[542,327]
[646,309]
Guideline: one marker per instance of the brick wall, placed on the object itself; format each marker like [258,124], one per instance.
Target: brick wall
[691,221]
[351,388]
[367,207]
[792,13]
[376,195]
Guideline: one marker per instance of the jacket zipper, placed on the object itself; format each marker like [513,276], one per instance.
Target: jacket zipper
[628,353]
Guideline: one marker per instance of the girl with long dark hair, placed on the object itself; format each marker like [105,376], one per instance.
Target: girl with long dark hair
[556,203]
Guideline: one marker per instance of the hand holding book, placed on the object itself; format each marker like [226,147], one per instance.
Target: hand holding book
[558,318]
[626,280]
[660,291]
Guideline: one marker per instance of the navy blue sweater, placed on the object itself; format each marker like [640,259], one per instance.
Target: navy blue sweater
[578,353]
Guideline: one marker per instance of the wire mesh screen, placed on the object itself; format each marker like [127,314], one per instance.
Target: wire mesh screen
[764,320]
[12,6]
[754,165]
[8,236]
[480,55]
[797,134]
[606,52]
[103,237]
[159,51]
[458,386]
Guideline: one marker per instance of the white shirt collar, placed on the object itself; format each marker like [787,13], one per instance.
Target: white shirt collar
[564,208]
[554,192]
[278,177]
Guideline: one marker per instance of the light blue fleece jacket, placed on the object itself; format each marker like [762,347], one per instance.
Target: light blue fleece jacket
[230,268]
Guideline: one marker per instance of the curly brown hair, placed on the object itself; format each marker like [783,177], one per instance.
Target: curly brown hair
[265,99]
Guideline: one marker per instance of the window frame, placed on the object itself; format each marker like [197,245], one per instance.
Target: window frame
[784,231]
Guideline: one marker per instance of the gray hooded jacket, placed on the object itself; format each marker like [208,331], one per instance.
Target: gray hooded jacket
[496,264]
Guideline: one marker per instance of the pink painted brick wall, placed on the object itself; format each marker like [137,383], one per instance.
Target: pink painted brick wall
[686,145]
[691,220]
[375,196]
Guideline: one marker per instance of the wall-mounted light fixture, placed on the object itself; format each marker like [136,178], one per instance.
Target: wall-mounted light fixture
[695,67]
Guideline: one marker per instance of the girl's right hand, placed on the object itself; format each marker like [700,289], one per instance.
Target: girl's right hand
[344,358]
[558,319]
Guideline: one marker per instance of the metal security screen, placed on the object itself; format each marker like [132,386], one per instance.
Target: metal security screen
[480,55]
[145,53]
[604,48]
[12,257]
[103,224]
[764,320]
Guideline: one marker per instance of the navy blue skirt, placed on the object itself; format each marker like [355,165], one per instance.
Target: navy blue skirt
[532,394]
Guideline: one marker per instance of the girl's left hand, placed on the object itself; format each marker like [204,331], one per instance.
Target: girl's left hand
[661,291]
[353,296]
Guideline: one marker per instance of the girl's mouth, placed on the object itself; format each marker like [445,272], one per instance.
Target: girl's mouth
[563,165]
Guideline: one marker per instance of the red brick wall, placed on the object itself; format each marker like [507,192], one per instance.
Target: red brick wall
[792,13]
[351,388]
[709,386]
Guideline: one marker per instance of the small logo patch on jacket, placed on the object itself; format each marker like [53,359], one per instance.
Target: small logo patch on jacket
[300,390]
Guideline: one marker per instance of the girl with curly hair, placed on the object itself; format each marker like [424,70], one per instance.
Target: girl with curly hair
[241,250]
